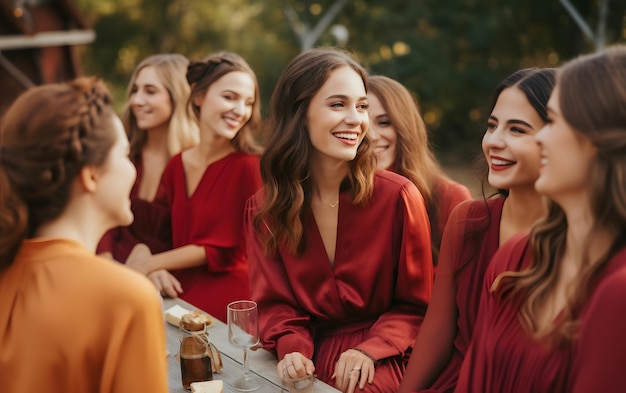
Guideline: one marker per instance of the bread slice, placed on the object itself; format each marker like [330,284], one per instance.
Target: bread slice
[207,387]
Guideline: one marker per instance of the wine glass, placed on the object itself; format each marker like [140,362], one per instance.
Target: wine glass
[243,332]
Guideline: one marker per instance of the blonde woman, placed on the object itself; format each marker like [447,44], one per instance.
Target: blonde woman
[159,125]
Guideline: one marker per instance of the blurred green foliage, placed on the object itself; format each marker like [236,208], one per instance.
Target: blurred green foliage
[449,53]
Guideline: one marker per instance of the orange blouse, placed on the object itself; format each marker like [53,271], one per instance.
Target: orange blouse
[74,322]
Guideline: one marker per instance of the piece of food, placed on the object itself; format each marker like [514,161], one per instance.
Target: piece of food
[175,313]
[207,387]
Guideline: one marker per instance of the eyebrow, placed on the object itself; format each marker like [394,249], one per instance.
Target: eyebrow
[344,97]
[514,121]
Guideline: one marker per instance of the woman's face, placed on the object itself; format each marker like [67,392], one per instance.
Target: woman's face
[509,143]
[337,118]
[115,180]
[150,101]
[566,157]
[383,134]
[227,105]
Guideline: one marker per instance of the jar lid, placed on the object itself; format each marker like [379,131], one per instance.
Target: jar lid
[194,321]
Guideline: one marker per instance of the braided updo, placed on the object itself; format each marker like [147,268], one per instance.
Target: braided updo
[47,136]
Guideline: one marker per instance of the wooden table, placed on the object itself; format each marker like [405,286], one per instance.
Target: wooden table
[262,362]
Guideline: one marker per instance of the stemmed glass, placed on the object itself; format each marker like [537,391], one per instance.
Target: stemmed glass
[243,332]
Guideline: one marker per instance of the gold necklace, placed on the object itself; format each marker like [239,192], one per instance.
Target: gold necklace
[333,205]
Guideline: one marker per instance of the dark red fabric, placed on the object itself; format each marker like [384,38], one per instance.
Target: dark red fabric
[212,217]
[470,240]
[374,296]
[148,216]
[450,194]
[504,358]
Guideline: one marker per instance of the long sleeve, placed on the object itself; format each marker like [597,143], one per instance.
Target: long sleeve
[285,327]
[395,330]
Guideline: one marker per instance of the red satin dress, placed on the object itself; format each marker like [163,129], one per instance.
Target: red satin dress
[147,217]
[503,357]
[372,298]
[212,217]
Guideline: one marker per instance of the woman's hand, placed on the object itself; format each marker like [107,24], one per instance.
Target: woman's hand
[139,258]
[352,368]
[166,283]
[294,365]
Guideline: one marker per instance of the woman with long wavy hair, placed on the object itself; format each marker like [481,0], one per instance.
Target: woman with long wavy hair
[477,228]
[401,145]
[159,125]
[552,311]
[339,252]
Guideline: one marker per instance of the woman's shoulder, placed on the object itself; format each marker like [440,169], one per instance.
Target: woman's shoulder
[446,186]
[476,208]
[613,279]
[385,178]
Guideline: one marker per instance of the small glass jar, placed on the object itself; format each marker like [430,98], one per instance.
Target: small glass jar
[195,355]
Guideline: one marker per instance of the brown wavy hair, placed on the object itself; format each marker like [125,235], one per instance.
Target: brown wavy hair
[183,131]
[285,165]
[202,74]
[593,102]
[47,136]
[414,158]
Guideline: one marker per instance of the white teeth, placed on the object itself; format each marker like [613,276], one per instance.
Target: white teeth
[346,135]
[544,161]
[496,161]
[231,122]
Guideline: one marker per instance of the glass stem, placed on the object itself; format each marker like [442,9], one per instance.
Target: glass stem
[246,367]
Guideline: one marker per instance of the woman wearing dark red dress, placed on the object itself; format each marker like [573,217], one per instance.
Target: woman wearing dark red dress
[340,255]
[476,229]
[401,145]
[159,125]
[552,312]
[206,187]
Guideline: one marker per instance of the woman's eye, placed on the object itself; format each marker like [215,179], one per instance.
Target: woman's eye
[518,130]
[491,126]
[337,105]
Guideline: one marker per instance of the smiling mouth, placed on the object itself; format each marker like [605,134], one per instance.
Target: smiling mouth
[380,149]
[232,123]
[346,135]
[498,162]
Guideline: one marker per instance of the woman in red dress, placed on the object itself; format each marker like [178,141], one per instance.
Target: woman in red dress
[206,187]
[401,145]
[476,229]
[552,311]
[159,125]
[339,252]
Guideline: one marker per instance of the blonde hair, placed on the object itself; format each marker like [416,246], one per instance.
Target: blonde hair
[183,130]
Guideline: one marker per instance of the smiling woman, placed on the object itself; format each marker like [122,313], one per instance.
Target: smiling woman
[335,297]
[159,125]
[205,189]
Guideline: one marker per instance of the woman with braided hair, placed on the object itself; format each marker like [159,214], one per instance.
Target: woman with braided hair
[206,187]
[69,320]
